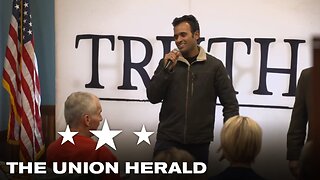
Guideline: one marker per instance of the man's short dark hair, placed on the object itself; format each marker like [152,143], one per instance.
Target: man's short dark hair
[189,19]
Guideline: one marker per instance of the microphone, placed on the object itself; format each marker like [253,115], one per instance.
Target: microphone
[169,62]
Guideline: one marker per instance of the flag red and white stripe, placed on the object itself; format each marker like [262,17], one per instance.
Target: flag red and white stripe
[21,80]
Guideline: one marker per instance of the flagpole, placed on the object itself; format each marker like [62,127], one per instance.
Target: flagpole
[20,65]
[34,113]
[33,126]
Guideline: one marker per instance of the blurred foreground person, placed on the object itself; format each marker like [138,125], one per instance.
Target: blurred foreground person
[309,169]
[240,144]
[301,115]
[180,156]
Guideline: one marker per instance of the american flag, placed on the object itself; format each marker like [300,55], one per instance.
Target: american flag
[20,79]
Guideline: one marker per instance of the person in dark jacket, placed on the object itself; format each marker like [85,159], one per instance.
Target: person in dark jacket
[308,162]
[301,115]
[188,81]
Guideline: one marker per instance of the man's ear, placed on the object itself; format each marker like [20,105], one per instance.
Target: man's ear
[197,35]
[86,120]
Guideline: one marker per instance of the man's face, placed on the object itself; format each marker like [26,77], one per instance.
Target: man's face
[96,117]
[184,39]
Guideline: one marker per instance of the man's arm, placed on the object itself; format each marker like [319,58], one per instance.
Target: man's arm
[226,93]
[297,130]
[158,85]
[299,119]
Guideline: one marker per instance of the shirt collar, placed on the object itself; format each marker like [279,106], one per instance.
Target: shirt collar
[202,56]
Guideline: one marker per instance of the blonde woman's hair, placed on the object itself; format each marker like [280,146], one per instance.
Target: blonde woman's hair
[241,139]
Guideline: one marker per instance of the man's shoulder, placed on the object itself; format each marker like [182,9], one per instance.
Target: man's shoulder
[79,142]
[213,59]
[105,154]
[214,62]
[306,75]
[54,143]
[203,55]
[104,150]
[307,71]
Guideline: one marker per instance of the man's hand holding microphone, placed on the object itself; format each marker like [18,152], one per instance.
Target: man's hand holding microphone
[170,59]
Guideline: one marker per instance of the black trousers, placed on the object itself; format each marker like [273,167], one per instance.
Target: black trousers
[200,152]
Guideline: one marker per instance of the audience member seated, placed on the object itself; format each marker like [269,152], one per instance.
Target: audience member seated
[176,155]
[82,113]
[240,144]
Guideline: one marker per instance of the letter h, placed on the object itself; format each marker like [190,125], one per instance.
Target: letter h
[264,44]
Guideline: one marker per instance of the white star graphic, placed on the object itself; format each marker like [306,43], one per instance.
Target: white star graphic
[105,135]
[67,135]
[143,135]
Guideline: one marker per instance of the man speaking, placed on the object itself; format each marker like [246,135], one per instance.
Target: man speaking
[188,82]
